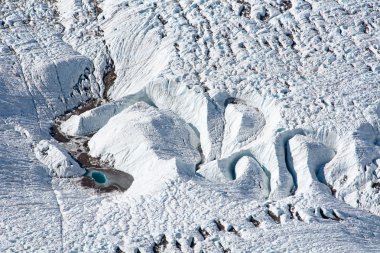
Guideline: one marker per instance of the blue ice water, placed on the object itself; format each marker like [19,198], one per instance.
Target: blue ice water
[99,177]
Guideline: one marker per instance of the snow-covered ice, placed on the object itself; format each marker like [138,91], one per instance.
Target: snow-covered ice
[222,126]
[151,145]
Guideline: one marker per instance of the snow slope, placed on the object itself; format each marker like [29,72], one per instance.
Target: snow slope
[248,126]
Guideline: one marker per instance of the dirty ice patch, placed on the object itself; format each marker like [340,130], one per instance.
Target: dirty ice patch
[57,160]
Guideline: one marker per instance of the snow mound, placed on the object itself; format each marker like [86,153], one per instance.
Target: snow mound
[150,144]
[58,160]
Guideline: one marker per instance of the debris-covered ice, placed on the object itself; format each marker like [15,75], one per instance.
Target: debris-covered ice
[58,160]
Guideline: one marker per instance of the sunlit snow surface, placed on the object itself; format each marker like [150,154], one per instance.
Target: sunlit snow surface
[219,126]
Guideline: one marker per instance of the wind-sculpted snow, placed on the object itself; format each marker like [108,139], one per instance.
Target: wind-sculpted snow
[247,126]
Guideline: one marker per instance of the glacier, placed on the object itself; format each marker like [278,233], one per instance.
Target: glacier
[189,126]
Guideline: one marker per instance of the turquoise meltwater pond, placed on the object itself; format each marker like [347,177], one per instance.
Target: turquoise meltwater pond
[99,177]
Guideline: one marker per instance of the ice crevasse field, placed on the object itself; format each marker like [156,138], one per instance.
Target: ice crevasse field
[189,126]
